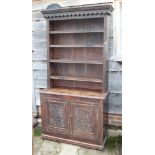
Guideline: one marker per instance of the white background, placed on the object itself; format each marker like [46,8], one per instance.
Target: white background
[138,78]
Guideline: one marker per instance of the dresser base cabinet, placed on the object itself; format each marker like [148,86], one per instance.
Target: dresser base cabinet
[73,119]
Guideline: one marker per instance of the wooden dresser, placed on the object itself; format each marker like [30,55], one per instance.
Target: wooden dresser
[72,106]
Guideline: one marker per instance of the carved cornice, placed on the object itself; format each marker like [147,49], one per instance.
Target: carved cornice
[78,12]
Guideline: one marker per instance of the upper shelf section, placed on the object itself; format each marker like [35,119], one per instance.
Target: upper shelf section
[77,12]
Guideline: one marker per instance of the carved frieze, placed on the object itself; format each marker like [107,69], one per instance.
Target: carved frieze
[78,12]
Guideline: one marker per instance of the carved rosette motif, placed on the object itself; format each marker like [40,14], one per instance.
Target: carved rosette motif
[56,115]
[83,119]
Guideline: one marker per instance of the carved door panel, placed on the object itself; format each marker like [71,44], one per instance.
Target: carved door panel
[56,117]
[84,118]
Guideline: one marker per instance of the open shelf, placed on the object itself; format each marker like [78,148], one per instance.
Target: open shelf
[82,54]
[76,45]
[81,74]
[77,31]
[75,61]
[74,24]
[76,78]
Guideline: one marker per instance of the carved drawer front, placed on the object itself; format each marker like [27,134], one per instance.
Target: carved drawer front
[84,120]
[57,116]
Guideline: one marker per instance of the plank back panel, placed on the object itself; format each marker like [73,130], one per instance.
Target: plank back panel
[76,24]
[77,70]
[77,38]
[91,54]
[77,85]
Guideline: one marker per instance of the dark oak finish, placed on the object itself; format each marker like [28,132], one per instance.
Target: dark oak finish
[72,106]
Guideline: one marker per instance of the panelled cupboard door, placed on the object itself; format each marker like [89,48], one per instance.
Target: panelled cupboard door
[55,117]
[85,121]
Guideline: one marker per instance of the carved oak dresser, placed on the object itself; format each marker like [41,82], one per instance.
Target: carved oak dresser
[72,106]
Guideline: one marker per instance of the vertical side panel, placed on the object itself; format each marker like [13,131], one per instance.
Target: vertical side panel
[43,113]
[106,52]
[100,127]
[48,50]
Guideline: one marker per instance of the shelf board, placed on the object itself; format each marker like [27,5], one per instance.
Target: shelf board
[75,92]
[76,45]
[75,61]
[77,31]
[76,78]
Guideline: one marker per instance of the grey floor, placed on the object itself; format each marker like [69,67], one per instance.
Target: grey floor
[45,147]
